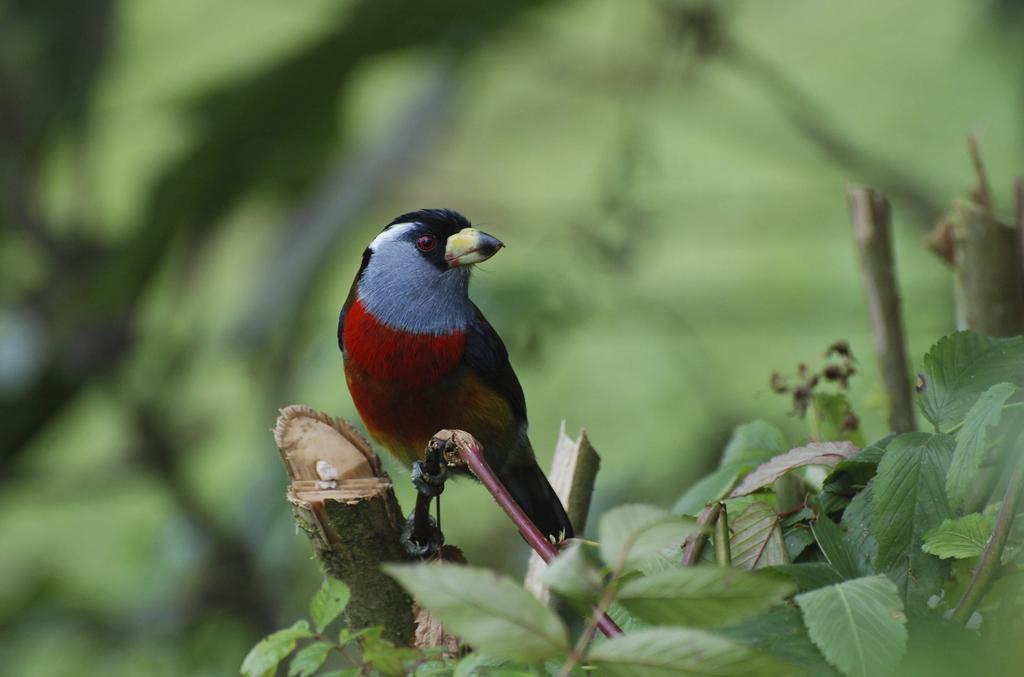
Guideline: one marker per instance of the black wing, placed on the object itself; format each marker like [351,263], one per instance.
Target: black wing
[353,292]
[487,356]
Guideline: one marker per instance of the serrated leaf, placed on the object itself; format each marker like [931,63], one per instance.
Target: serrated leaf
[836,550]
[960,367]
[309,659]
[816,453]
[959,538]
[756,538]
[972,440]
[859,625]
[572,575]
[328,602]
[632,534]
[490,612]
[701,596]
[909,500]
[263,658]
[661,652]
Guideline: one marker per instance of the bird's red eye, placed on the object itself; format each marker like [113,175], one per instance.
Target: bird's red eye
[426,243]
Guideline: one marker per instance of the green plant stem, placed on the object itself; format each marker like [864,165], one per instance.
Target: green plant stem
[988,565]
[722,553]
[579,650]
[695,542]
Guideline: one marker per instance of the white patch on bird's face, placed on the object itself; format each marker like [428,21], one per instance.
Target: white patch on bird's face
[404,290]
[391,234]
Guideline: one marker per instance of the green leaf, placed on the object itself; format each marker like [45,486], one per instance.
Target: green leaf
[328,602]
[383,655]
[960,367]
[753,443]
[910,499]
[347,635]
[664,652]
[861,467]
[309,659]
[263,658]
[960,538]
[756,538]
[572,575]
[859,625]
[797,538]
[490,612]
[710,488]
[836,550]
[633,534]
[780,631]
[815,453]
[972,440]
[750,445]
[701,596]
[857,521]
[482,665]
[808,575]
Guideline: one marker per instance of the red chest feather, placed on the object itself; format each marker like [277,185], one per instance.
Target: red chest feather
[400,358]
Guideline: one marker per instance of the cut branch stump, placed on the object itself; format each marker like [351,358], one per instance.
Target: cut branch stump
[345,502]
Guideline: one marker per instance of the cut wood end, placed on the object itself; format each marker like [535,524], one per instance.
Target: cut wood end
[317,447]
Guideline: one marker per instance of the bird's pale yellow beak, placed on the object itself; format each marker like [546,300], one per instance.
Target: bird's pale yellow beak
[469,246]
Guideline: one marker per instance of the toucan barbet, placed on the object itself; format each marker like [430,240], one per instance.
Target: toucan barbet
[420,356]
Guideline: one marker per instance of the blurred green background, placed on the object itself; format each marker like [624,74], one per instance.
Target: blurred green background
[187,187]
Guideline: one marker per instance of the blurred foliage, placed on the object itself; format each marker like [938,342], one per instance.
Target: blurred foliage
[185,189]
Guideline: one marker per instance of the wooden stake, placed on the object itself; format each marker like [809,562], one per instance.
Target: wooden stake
[573,473]
[871,217]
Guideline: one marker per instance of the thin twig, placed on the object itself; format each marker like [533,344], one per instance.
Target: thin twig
[471,453]
[872,232]
[988,565]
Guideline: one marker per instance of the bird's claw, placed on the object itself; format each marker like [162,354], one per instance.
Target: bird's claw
[421,540]
[427,483]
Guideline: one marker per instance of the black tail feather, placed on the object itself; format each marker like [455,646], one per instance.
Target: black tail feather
[534,494]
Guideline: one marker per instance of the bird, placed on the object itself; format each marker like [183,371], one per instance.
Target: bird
[419,356]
